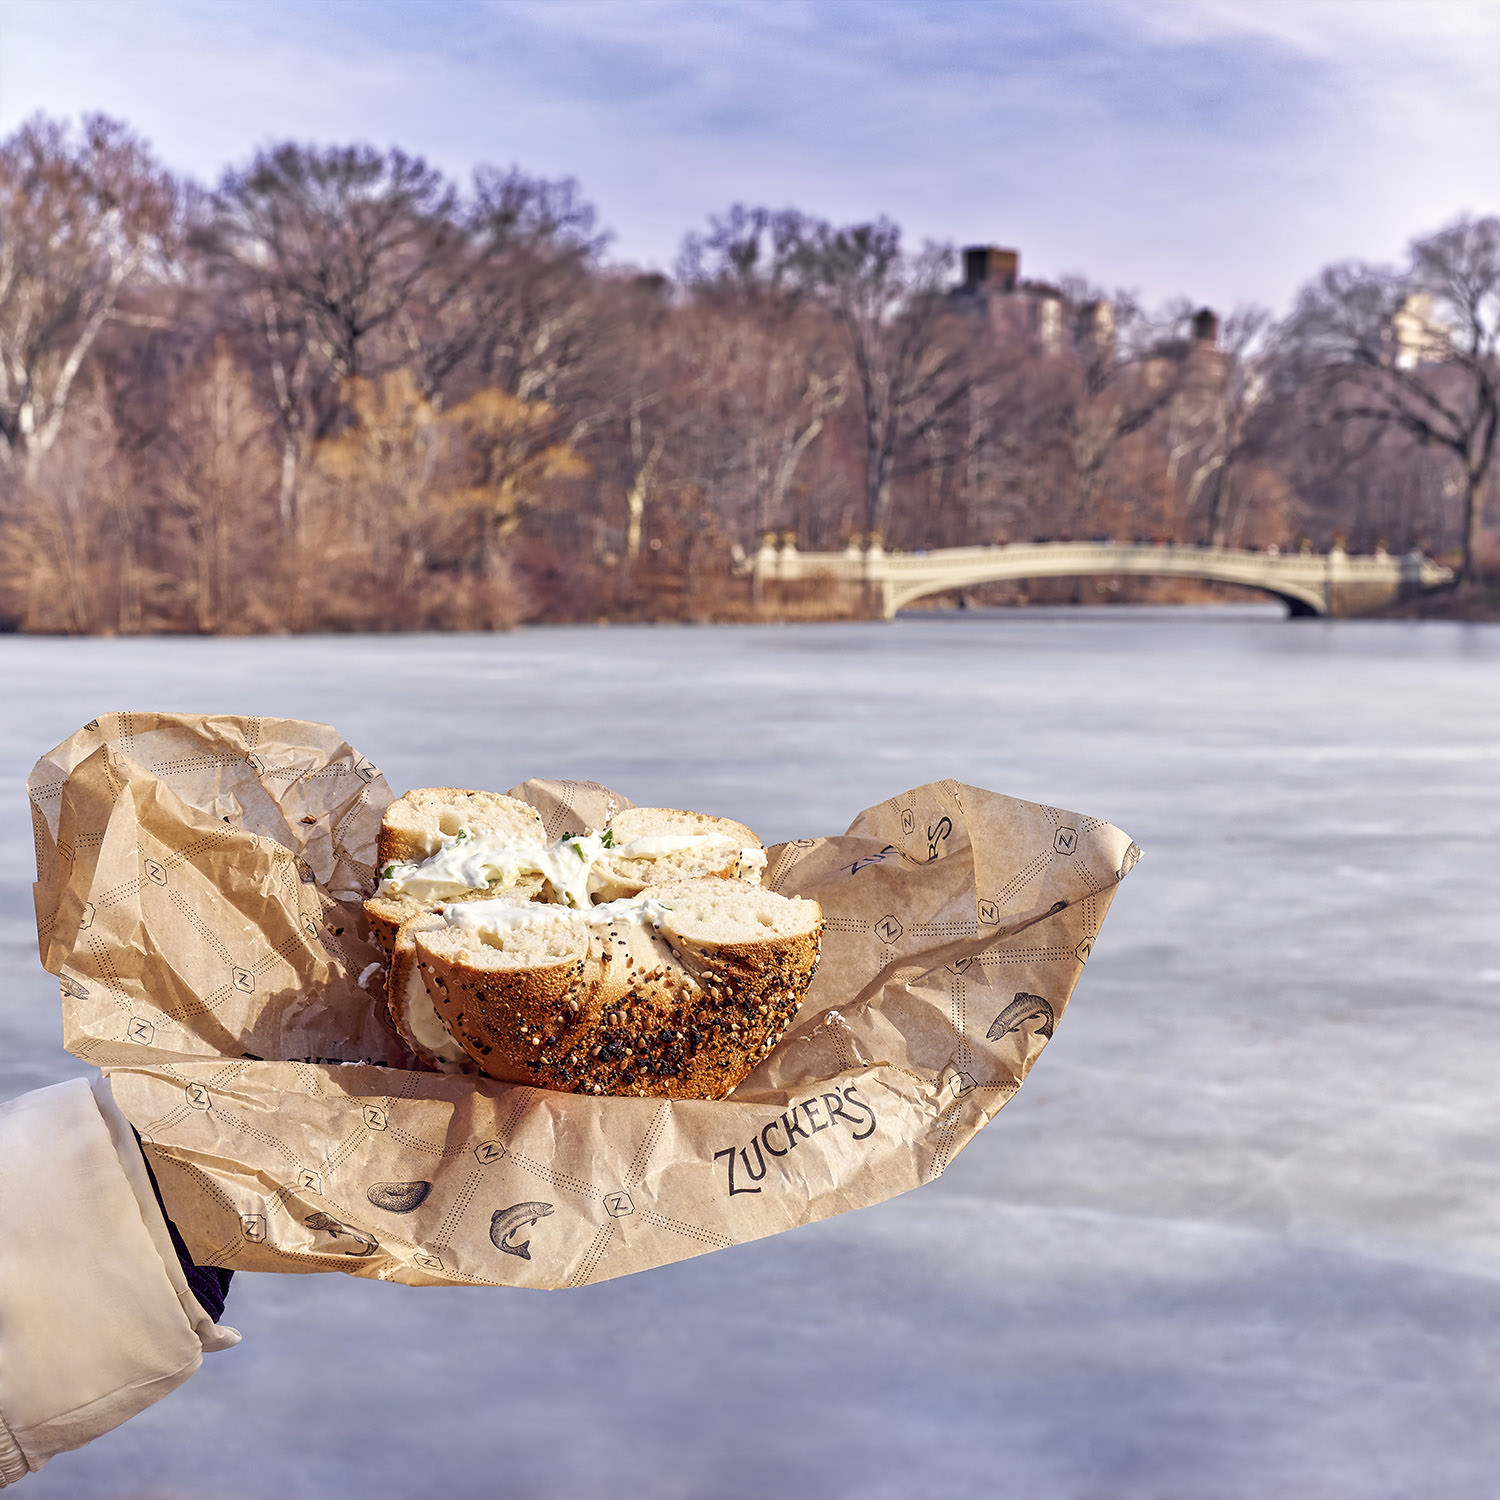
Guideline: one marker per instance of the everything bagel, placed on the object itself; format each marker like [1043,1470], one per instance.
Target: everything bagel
[640,959]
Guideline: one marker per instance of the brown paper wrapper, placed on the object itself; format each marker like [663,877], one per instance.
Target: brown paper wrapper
[198,896]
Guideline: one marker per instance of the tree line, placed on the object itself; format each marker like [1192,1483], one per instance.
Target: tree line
[339,390]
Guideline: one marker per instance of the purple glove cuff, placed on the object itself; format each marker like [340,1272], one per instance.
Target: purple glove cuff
[209,1284]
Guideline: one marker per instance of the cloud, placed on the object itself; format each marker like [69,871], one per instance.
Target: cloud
[1223,149]
[1411,128]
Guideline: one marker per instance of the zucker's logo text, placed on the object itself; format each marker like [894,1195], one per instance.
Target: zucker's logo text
[747,1164]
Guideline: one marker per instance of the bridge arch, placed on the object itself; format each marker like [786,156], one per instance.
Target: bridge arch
[1301,600]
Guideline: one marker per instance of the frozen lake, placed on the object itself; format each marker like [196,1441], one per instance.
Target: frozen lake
[1239,1236]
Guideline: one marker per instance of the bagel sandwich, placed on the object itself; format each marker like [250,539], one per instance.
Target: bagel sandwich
[639,958]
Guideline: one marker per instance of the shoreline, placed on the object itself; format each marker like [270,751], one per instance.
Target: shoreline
[1460,611]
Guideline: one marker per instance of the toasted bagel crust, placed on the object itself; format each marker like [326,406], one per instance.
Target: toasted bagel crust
[403,973]
[688,1025]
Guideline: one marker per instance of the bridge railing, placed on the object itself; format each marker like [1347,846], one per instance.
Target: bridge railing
[788,558]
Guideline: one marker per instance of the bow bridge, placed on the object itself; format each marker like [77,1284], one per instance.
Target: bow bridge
[1309,583]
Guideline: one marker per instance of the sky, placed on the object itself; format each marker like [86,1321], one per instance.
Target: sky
[1220,150]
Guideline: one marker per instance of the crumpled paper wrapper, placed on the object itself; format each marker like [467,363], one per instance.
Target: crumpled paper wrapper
[198,896]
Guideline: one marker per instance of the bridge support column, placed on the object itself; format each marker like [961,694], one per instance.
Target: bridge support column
[1412,564]
[1335,573]
[880,593]
[880,599]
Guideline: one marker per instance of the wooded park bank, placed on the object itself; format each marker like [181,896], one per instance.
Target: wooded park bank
[339,392]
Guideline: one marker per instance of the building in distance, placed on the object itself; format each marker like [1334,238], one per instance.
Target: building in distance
[1036,310]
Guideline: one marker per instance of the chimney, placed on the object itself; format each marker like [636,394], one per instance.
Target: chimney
[990,268]
[1206,327]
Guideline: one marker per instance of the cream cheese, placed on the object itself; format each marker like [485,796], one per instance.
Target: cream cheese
[642,909]
[654,845]
[493,919]
[571,866]
[426,1025]
[462,863]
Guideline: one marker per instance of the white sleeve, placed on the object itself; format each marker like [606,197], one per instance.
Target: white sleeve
[96,1319]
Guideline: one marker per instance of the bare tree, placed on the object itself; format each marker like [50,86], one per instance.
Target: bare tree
[1123,378]
[1210,423]
[749,255]
[326,249]
[784,378]
[214,468]
[911,360]
[1416,350]
[506,303]
[646,404]
[83,217]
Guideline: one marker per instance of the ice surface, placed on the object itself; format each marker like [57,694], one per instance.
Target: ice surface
[1239,1236]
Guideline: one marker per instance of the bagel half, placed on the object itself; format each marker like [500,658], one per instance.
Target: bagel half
[643,851]
[416,825]
[677,993]
[423,824]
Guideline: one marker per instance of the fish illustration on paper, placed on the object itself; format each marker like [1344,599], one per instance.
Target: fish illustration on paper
[505,1222]
[1019,1016]
[367,1243]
